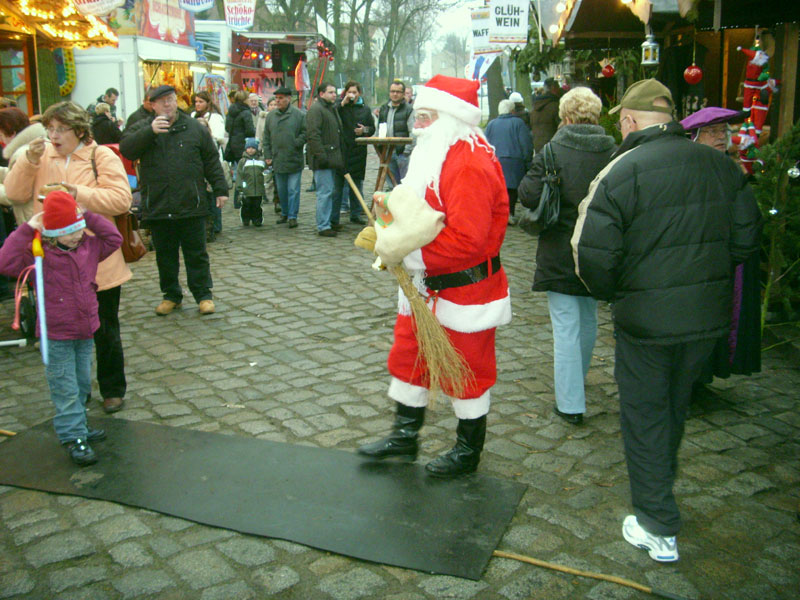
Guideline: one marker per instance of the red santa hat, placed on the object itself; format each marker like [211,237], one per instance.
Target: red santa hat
[452,95]
[62,215]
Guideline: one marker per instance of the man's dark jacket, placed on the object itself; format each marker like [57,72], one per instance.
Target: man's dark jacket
[355,155]
[324,136]
[659,232]
[104,130]
[580,152]
[174,167]
[400,122]
[138,115]
[284,138]
[544,119]
[239,125]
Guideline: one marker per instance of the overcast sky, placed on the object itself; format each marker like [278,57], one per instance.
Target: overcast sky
[456,20]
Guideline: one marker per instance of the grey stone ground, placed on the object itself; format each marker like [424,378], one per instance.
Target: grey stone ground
[296,353]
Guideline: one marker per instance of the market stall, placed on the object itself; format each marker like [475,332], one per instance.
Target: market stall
[36,42]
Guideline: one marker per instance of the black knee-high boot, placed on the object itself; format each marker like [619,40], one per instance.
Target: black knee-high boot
[402,441]
[464,457]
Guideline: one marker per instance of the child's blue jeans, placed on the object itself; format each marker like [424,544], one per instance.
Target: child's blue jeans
[69,378]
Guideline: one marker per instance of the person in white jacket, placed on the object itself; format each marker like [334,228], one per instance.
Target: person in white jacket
[16,132]
[206,111]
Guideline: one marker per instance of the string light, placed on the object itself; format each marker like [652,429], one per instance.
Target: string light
[90,31]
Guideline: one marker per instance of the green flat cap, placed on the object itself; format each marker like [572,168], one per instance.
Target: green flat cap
[642,94]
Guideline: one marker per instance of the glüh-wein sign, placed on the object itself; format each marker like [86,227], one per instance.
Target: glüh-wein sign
[508,24]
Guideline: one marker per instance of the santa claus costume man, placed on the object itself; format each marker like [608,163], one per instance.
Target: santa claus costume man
[455,170]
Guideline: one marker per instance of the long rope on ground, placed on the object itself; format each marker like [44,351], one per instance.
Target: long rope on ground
[593,575]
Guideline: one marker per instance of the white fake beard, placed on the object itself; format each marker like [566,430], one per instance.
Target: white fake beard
[433,144]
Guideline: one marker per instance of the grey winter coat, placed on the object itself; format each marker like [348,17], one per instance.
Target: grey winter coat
[284,138]
[580,151]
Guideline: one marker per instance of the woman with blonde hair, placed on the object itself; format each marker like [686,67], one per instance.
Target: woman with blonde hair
[581,149]
[95,177]
[104,126]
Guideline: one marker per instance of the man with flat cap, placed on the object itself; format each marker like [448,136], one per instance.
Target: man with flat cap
[283,141]
[658,235]
[176,157]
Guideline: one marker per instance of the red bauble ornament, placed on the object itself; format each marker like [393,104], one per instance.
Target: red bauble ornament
[693,74]
[608,71]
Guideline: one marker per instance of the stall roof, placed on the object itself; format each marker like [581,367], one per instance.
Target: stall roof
[58,23]
[586,21]
[748,13]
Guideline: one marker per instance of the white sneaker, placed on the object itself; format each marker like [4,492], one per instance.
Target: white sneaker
[660,548]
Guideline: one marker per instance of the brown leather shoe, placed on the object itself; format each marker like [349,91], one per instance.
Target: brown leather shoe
[206,307]
[166,307]
[111,405]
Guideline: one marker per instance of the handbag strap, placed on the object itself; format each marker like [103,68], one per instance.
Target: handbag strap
[550,163]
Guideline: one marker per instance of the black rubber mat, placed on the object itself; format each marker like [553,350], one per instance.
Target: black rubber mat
[388,513]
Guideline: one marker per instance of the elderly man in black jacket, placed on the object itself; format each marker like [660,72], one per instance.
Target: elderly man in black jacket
[177,156]
[324,135]
[658,234]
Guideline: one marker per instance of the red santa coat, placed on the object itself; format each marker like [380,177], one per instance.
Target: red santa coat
[757,61]
[474,199]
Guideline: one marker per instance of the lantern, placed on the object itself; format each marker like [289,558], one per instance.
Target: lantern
[693,74]
[568,65]
[650,51]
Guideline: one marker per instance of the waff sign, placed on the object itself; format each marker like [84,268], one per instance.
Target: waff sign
[508,22]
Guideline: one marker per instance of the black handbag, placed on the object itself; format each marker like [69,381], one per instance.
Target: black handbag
[545,215]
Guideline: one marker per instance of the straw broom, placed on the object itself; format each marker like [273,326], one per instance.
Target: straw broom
[446,368]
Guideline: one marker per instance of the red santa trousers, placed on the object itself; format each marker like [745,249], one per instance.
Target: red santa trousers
[478,350]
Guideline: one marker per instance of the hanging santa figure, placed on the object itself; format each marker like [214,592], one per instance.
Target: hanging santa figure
[746,140]
[755,75]
[760,107]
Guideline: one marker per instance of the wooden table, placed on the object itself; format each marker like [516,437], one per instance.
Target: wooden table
[385,148]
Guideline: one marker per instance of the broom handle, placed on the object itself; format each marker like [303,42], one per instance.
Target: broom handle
[353,187]
[602,576]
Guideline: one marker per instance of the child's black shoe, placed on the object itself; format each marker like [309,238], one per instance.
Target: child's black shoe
[81,452]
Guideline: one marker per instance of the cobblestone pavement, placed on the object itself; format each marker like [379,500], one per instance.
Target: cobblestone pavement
[296,353]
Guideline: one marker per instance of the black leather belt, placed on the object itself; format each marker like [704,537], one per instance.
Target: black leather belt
[465,277]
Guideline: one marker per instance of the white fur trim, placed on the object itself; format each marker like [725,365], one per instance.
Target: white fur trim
[416,396]
[471,408]
[438,100]
[466,318]
[408,394]
[413,261]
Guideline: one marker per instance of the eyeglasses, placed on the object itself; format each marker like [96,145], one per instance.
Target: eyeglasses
[423,116]
[619,123]
[396,92]
[58,130]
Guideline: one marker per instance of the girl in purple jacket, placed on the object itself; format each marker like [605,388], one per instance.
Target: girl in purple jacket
[69,270]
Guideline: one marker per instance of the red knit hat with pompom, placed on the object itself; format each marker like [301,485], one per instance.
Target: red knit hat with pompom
[62,215]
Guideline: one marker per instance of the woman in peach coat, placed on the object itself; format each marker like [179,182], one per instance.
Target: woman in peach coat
[103,188]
